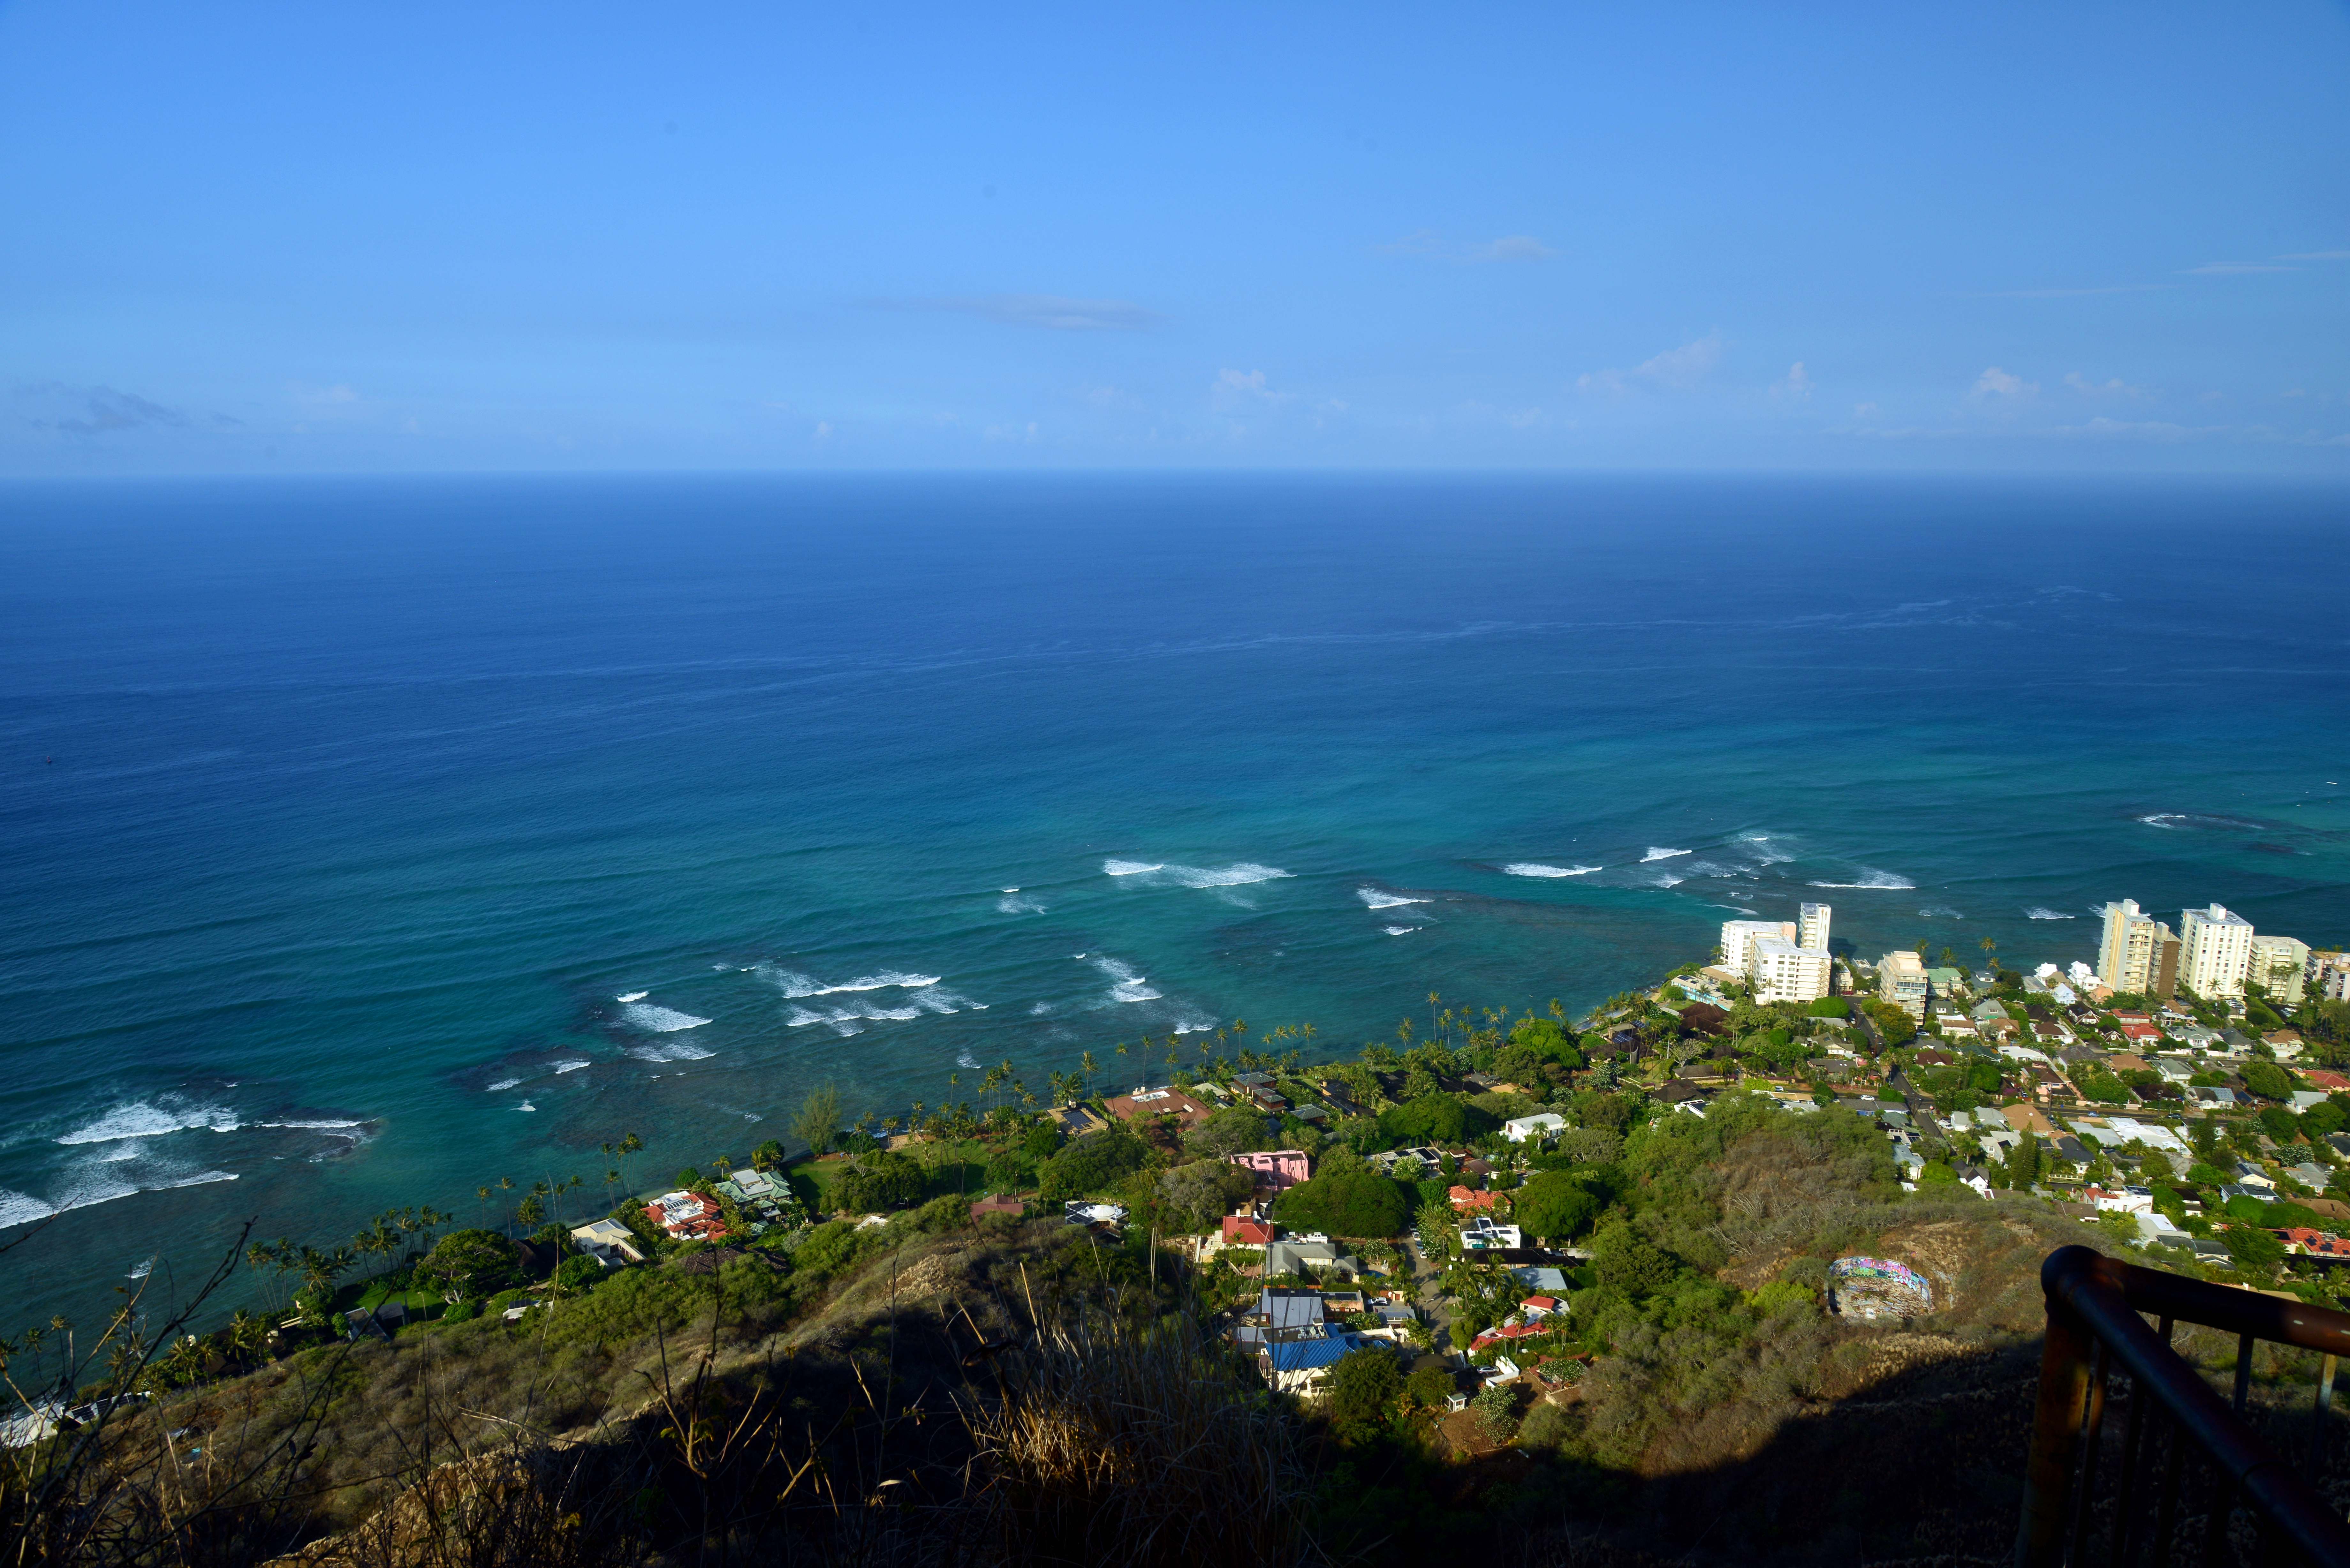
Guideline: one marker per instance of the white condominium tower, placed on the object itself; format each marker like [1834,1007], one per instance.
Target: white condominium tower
[1812,928]
[2215,949]
[1781,971]
[2125,957]
[1739,937]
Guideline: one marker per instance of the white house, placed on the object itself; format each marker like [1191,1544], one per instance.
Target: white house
[607,1242]
[1541,1124]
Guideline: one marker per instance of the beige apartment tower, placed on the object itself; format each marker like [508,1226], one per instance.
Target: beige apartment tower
[1901,981]
[2125,959]
[2278,965]
[1812,927]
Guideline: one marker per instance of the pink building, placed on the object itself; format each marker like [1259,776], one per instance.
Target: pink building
[1277,1169]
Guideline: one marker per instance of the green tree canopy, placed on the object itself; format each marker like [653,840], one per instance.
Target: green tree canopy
[878,1182]
[1197,1195]
[1235,1129]
[817,1122]
[1361,1393]
[468,1264]
[1093,1164]
[1435,1119]
[1555,1205]
[1346,1203]
[2267,1080]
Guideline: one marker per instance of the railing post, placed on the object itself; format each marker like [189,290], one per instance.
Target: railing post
[2055,1431]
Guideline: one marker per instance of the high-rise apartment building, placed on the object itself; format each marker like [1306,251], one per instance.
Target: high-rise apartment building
[2278,965]
[2127,956]
[1812,927]
[2215,948]
[1738,937]
[1901,981]
[1782,972]
[2165,982]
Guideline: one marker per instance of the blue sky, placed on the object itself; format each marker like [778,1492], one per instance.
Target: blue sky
[256,238]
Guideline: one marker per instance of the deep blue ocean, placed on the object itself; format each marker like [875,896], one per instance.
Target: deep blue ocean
[363,841]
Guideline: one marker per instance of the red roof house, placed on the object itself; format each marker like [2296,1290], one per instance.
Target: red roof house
[1240,1231]
[1467,1201]
[687,1216]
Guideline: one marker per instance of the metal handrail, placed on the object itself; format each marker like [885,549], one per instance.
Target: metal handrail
[2094,1328]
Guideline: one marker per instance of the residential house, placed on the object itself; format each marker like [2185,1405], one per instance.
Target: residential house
[1245,1231]
[1279,1169]
[1469,1201]
[1308,1257]
[2327,1079]
[607,1242]
[1340,1097]
[1298,1366]
[1548,1278]
[2301,1239]
[1142,1102]
[1541,1125]
[2285,1044]
[2250,1175]
[1485,1234]
[686,1216]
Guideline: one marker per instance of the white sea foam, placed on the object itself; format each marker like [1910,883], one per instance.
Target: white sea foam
[140,1270]
[2042,912]
[140,1119]
[679,1052]
[1940,912]
[1668,881]
[1536,868]
[967,1061]
[655,1019]
[796,986]
[1238,875]
[1765,849]
[315,1126]
[21,1209]
[2163,819]
[504,1084]
[632,996]
[1398,930]
[1872,877]
[1373,898]
[1658,852]
[1015,902]
[1192,1021]
[572,1066]
[1126,985]
[526,1105]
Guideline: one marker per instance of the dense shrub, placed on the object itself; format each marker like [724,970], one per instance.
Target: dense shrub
[878,1182]
[1009,1170]
[468,1264]
[1361,1392]
[1346,1203]
[1094,1163]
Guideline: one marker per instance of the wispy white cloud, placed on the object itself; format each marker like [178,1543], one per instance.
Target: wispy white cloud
[1240,388]
[2161,431]
[2113,387]
[1794,386]
[1512,248]
[2075,293]
[1052,312]
[1676,369]
[1997,383]
[1429,243]
[2223,269]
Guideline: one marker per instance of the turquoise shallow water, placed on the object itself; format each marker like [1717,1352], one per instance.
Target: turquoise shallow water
[339,817]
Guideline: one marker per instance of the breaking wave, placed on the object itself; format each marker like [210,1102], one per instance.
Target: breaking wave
[632,996]
[1536,868]
[680,1052]
[572,1066]
[2042,912]
[655,1019]
[141,1119]
[796,986]
[504,1084]
[1398,930]
[1015,902]
[1126,984]
[1872,877]
[1373,898]
[1238,875]
[1940,912]
[1658,852]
